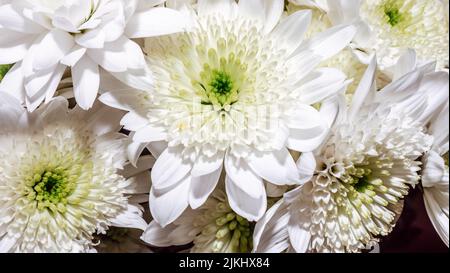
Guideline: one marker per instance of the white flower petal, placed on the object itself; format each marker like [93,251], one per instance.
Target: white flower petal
[270,234]
[73,56]
[158,236]
[363,90]
[112,56]
[91,39]
[130,218]
[304,117]
[291,29]
[331,41]
[240,173]
[119,100]
[434,170]
[277,167]
[149,134]
[321,84]
[244,204]
[169,170]
[11,19]
[252,9]
[202,187]
[133,121]
[167,207]
[299,237]
[206,165]
[157,148]
[155,22]
[273,9]
[53,47]
[86,81]
[306,140]
[14,46]
[306,165]
[405,64]
[438,211]
[134,150]
[13,84]
[206,7]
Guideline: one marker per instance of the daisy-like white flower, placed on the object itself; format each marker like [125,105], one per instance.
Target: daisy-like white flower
[59,177]
[435,175]
[212,228]
[360,174]
[235,91]
[418,24]
[44,37]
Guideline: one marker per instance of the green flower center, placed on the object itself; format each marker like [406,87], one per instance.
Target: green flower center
[358,178]
[220,89]
[393,14]
[4,68]
[51,187]
[221,83]
[238,228]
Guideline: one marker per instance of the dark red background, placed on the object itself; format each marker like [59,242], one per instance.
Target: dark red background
[414,231]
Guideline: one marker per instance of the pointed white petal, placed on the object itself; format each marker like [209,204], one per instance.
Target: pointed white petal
[306,165]
[202,187]
[169,170]
[206,165]
[270,234]
[167,207]
[206,7]
[155,22]
[276,167]
[363,89]
[330,42]
[53,47]
[438,211]
[291,29]
[134,150]
[86,81]
[130,218]
[150,133]
[243,177]
[244,204]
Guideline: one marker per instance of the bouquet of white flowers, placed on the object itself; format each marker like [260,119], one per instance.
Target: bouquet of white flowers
[220,125]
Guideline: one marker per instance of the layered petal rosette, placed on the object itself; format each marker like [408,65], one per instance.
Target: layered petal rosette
[233,94]
[44,37]
[361,173]
[60,181]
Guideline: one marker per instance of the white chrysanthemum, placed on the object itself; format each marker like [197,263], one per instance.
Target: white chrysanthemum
[212,228]
[45,37]
[435,176]
[398,25]
[59,181]
[236,89]
[363,170]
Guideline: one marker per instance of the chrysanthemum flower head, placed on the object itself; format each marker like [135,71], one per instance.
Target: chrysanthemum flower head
[59,180]
[234,91]
[397,25]
[43,38]
[361,173]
